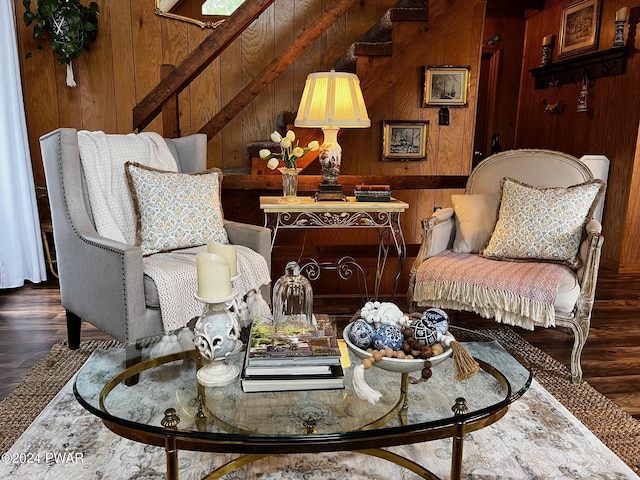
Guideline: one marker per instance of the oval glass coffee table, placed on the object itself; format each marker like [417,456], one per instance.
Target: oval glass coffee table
[167,407]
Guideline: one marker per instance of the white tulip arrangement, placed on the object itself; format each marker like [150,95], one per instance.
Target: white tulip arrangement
[289,154]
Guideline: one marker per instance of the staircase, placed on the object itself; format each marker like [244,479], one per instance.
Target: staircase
[380,42]
[365,58]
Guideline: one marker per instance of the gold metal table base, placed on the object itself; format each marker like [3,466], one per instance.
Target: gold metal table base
[375,452]
[173,442]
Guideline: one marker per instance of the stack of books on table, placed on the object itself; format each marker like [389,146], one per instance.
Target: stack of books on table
[372,193]
[272,364]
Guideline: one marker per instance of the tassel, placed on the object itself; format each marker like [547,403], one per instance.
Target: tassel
[70,80]
[167,345]
[258,307]
[466,366]
[242,313]
[364,391]
[186,339]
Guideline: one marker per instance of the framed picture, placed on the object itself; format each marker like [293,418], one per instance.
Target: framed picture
[579,29]
[404,140]
[445,86]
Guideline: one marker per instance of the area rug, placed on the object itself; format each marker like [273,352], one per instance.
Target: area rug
[538,438]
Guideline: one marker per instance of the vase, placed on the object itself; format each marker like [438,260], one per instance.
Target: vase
[289,183]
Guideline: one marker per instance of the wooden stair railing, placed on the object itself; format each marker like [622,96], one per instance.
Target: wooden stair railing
[212,46]
[276,67]
[205,53]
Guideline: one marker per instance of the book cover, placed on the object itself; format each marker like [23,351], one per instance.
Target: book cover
[268,347]
[374,188]
[386,193]
[286,370]
[370,198]
[280,383]
[365,194]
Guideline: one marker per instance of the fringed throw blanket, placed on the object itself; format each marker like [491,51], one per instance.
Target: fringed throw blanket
[174,274]
[175,277]
[515,293]
[103,157]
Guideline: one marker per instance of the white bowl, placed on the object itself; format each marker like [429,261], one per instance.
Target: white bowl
[399,365]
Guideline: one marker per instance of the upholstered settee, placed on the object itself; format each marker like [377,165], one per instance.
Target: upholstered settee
[521,246]
[102,280]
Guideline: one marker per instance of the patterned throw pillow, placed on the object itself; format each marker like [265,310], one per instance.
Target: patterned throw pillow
[175,210]
[542,224]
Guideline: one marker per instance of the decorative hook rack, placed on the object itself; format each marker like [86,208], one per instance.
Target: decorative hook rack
[599,64]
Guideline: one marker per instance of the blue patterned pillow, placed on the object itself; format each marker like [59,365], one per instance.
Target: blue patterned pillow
[542,224]
[175,210]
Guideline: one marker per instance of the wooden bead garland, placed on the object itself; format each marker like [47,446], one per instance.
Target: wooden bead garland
[411,349]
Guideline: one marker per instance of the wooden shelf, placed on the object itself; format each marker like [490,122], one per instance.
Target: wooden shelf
[603,63]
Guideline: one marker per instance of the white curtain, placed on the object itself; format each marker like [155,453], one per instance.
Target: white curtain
[21,254]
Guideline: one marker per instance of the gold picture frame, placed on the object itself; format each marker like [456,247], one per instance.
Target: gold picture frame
[206,18]
[579,28]
[404,140]
[445,85]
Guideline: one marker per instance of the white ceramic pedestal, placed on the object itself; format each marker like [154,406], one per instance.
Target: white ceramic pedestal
[216,338]
[217,374]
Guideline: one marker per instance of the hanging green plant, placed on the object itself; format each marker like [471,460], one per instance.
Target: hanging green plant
[70,25]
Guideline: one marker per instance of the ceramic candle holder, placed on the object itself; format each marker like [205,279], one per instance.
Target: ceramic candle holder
[217,338]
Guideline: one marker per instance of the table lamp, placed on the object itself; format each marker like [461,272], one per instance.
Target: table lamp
[331,101]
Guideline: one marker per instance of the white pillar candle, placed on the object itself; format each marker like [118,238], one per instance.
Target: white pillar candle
[214,280]
[228,252]
[548,40]
[622,15]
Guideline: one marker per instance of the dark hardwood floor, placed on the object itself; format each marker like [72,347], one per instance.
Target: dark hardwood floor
[32,320]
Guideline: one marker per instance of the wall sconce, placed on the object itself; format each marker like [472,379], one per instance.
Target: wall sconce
[331,101]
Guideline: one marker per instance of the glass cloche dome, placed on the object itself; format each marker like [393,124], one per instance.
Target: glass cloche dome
[293,302]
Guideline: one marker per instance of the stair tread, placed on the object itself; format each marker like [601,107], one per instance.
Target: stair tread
[377,40]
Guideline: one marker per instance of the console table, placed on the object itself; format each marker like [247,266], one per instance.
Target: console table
[306,213]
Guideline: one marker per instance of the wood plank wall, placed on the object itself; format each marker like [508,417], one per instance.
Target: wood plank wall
[124,64]
[610,127]
[449,148]
[453,37]
[133,42]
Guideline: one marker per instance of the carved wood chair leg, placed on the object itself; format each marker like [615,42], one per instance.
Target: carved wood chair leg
[580,338]
[74,323]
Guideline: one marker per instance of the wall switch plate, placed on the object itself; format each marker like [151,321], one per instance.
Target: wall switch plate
[443,116]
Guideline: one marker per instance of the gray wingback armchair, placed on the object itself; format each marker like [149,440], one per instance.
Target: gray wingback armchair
[574,297]
[101,280]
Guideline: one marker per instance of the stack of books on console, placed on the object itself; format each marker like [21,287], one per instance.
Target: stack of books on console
[372,193]
[272,364]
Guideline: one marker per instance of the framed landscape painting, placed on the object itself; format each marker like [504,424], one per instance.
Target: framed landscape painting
[445,86]
[404,140]
[579,29]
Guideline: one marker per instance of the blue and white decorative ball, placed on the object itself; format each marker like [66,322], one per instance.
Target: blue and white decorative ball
[439,318]
[361,334]
[424,331]
[388,336]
